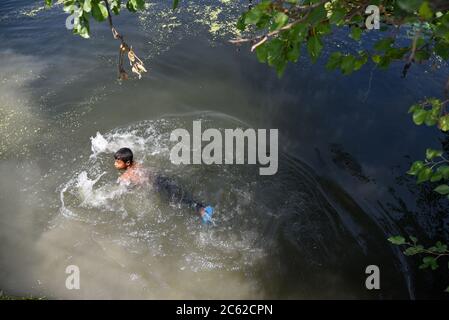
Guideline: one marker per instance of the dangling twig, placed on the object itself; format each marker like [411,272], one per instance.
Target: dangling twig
[411,58]
[136,64]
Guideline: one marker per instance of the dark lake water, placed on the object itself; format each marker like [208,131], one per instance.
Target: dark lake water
[307,232]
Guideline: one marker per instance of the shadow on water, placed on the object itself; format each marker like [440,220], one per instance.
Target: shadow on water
[324,238]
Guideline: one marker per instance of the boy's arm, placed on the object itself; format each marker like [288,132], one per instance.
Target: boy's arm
[123,178]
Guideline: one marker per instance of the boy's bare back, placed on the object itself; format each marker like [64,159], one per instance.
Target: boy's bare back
[135,174]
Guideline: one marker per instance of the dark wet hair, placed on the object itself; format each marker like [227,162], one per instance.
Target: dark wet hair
[124,154]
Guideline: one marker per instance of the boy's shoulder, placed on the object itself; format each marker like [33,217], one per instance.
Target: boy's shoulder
[136,174]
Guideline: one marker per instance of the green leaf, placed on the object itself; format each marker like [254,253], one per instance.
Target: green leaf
[422,55]
[347,64]
[420,41]
[414,108]
[116,10]
[276,55]
[447,290]
[99,11]
[416,167]
[360,62]
[115,3]
[444,171]
[280,68]
[253,16]
[397,240]
[419,116]
[69,7]
[334,61]
[293,52]
[433,114]
[440,247]
[263,22]
[425,12]
[436,177]
[442,49]
[82,27]
[140,4]
[241,25]
[356,33]
[323,28]
[131,5]
[442,189]
[431,153]
[441,31]
[409,5]
[384,44]
[83,32]
[175,4]
[376,58]
[414,239]
[436,104]
[262,53]
[411,251]
[87,6]
[299,32]
[396,53]
[48,2]
[424,175]
[274,51]
[357,19]
[317,15]
[429,262]
[443,123]
[385,62]
[337,16]
[314,47]
[280,20]
[264,5]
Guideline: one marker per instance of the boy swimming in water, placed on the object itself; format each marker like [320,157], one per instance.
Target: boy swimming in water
[135,174]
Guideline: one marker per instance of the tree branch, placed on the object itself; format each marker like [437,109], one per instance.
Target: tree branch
[257,41]
[134,61]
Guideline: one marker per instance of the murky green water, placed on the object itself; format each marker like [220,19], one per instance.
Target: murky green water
[307,232]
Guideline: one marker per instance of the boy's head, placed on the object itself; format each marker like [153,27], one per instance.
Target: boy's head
[123,158]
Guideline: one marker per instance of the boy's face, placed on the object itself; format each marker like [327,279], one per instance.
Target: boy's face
[120,164]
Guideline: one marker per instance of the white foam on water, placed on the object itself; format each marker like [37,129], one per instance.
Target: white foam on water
[149,225]
[85,185]
[84,188]
[67,213]
[97,197]
[113,142]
